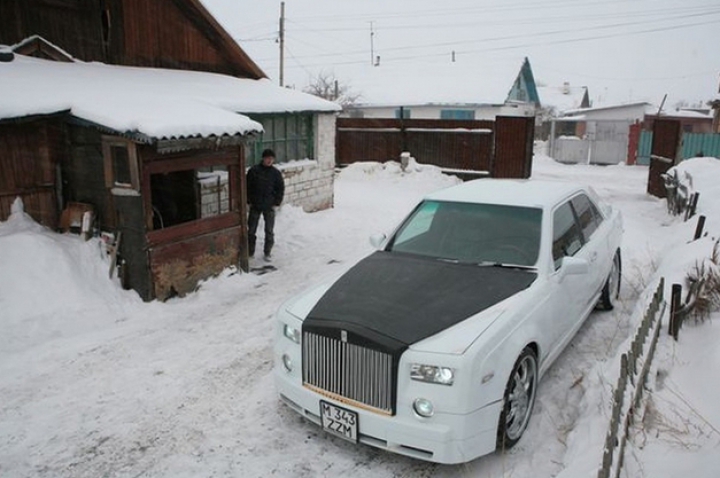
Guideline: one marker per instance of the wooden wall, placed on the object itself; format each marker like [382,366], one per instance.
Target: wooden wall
[171,34]
[177,34]
[501,148]
[451,144]
[29,155]
[83,174]
[74,25]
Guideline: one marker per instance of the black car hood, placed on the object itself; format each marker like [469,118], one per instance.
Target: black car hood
[408,298]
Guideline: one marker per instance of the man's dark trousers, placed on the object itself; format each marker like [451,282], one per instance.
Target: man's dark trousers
[253,220]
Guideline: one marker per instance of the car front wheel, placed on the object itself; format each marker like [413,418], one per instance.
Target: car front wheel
[518,400]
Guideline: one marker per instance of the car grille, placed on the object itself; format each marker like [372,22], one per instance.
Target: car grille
[348,372]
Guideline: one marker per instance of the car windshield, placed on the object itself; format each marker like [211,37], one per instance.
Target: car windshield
[471,233]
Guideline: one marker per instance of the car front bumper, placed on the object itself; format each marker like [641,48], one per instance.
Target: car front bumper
[443,438]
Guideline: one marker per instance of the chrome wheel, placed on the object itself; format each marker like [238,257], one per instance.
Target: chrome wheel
[519,399]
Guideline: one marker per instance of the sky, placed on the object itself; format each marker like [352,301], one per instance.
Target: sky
[623,51]
[95,382]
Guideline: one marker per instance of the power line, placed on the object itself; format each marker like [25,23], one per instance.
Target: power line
[647,78]
[523,36]
[484,10]
[526,45]
[661,15]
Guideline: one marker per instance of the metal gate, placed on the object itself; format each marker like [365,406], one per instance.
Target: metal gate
[594,142]
[664,155]
[501,148]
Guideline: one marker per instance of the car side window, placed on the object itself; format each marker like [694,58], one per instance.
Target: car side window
[567,238]
[587,214]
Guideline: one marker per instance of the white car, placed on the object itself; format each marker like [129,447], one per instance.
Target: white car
[433,345]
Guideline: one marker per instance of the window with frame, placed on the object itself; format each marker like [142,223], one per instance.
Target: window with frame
[403,113]
[457,114]
[567,237]
[189,195]
[121,166]
[290,136]
[588,215]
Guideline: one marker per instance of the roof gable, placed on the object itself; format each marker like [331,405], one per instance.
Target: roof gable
[38,47]
[524,89]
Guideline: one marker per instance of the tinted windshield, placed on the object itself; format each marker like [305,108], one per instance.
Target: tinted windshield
[475,233]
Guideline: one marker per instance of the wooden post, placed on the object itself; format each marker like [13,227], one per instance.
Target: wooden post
[692,207]
[699,228]
[675,298]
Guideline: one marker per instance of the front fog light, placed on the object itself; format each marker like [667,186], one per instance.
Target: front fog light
[423,407]
[287,362]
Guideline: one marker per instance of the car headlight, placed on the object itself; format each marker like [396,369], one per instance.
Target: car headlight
[432,374]
[292,333]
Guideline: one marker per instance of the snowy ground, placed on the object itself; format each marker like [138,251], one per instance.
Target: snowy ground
[96,383]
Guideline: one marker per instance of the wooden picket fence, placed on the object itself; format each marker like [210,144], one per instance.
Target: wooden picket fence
[634,369]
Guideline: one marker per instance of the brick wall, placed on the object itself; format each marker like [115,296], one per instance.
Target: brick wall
[214,193]
[309,182]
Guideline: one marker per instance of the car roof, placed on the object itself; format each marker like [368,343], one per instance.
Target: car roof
[534,193]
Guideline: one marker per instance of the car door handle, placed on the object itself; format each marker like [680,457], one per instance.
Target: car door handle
[593,257]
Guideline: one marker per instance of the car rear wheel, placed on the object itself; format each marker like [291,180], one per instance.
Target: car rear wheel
[611,290]
[518,400]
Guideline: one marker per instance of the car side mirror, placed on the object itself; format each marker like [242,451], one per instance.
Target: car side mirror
[574,266]
[377,240]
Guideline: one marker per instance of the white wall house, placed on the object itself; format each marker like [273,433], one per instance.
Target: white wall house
[600,135]
[442,111]
[444,90]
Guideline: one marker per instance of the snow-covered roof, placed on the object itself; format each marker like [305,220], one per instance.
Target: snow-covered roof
[158,103]
[562,98]
[648,107]
[434,83]
[681,113]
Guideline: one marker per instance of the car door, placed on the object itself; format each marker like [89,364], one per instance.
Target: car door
[594,238]
[571,294]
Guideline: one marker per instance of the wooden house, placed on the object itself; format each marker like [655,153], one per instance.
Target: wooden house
[157,153]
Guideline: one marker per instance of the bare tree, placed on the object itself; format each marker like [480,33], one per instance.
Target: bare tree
[327,86]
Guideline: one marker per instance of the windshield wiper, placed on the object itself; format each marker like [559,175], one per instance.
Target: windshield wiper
[451,261]
[505,266]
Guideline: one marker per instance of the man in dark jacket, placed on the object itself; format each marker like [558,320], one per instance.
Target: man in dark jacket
[265,191]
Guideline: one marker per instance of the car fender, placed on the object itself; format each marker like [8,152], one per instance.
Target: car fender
[493,357]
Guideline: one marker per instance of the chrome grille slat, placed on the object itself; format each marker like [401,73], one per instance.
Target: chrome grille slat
[356,373]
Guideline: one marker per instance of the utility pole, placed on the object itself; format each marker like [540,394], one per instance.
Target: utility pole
[372,46]
[282,42]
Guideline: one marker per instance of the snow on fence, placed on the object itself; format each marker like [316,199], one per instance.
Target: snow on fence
[634,369]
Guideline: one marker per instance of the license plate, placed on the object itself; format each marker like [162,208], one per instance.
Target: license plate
[339,421]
